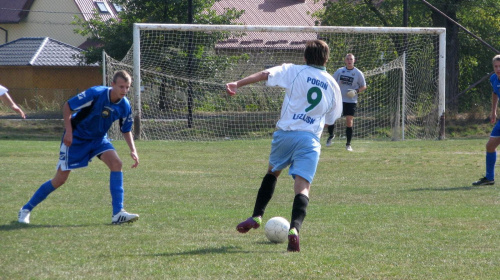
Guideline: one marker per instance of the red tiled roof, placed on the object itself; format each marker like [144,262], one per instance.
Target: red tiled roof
[88,7]
[273,13]
[13,11]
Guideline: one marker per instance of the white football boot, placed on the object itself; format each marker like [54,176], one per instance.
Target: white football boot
[24,216]
[124,217]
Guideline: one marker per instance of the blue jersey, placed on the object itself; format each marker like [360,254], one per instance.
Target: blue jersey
[495,84]
[96,113]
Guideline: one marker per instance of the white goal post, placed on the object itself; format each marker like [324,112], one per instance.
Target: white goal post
[180,71]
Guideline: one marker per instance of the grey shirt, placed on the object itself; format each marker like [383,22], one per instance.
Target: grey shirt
[349,79]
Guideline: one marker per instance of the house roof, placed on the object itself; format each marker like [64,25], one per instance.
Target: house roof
[13,11]
[271,13]
[40,51]
[88,7]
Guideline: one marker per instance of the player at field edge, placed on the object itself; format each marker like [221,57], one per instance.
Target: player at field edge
[312,98]
[5,97]
[85,136]
[494,141]
[351,82]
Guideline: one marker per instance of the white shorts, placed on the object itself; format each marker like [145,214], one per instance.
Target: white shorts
[299,149]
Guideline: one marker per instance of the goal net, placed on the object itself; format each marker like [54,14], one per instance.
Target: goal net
[180,72]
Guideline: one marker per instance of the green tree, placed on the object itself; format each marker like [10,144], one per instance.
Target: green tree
[115,36]
[466,59]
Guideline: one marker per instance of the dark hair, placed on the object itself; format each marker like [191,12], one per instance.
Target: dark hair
[316,52]
[122,74]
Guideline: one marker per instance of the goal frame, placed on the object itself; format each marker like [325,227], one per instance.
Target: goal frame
[441,32]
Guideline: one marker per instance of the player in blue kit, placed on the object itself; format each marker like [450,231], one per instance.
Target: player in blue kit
[85,137]
[494,141]
[312,99]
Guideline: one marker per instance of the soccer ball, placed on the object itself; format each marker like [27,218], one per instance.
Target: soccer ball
[351,93]
[277,229]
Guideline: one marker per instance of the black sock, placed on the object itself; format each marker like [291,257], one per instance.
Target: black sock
[300,203]
[330,129]
[264,195]
[348,134]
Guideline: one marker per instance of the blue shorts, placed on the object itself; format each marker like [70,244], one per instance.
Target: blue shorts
[496,130]
[299,149]
[81,152]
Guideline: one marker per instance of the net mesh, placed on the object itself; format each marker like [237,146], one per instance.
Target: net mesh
[183,77]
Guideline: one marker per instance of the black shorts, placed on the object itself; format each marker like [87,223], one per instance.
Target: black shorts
[348,109]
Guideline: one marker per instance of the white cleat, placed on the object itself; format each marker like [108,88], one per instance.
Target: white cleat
[349,148]
[124,217]
[24,216]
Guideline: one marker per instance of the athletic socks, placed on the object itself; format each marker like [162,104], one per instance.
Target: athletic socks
[348,134]
[116,189]
[491,159]
[300,203]
[264,195]
[43,191]
[330,130]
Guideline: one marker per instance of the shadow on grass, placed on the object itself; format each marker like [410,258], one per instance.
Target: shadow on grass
[14,225]
[214,250]
[203,251]
[464,188]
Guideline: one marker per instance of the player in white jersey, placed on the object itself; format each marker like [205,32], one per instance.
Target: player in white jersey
[312,99]
[5,97]
[351,82]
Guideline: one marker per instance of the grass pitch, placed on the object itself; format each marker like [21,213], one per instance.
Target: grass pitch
[388,210]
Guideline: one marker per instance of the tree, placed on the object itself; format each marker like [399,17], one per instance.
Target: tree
[115,36]
[465,64]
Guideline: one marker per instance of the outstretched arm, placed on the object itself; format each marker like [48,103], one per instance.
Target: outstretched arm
[9,102]
[133,152]
[254,78]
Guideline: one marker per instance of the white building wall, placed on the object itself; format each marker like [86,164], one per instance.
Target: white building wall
[47,18]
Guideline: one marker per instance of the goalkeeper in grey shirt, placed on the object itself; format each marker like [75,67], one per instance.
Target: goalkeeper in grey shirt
[351,82]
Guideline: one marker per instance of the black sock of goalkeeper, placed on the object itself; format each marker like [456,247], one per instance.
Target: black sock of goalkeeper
[330,129]
[348,134]
[264,195]
[300,203]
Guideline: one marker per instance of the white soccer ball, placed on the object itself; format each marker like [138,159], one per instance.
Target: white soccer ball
[277,229]
[351,93]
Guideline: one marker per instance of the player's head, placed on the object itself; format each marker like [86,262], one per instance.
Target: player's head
[496,64]
[349,60]
[122,74]
[120,85]
[316,52]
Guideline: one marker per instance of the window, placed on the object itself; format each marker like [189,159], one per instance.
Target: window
[118,7]
[102,7]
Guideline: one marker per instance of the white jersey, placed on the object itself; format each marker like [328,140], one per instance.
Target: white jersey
[3,90]
[349,79]
[312,97]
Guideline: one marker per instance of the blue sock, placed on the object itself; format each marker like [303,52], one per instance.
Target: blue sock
[116,189]
[491,159]
[43,191]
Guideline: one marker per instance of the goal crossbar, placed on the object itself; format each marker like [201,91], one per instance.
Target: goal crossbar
[267,28]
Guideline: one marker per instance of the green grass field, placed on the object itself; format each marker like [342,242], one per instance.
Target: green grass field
[388,210]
